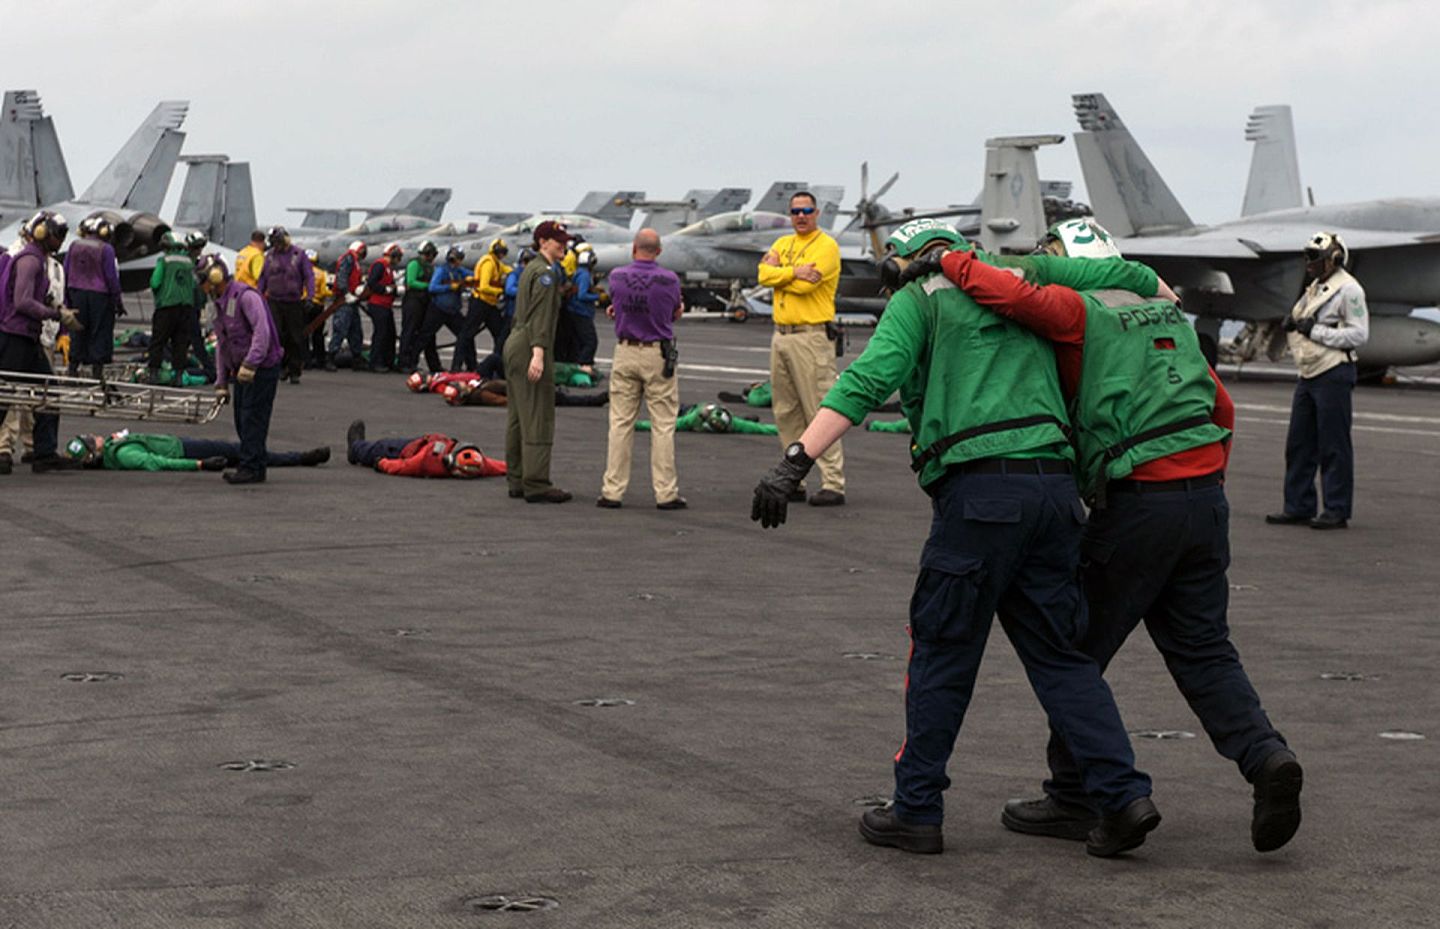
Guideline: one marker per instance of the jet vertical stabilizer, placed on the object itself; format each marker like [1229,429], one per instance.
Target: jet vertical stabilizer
[1126,191]
[1274,166]
[1012,212]
[138,176]
[726,200]
[32,167]
[777,198]
[218,200]
[428,202]
[613,207]
[829,196]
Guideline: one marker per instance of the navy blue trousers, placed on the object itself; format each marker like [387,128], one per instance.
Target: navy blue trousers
[368,452]
[1319,438]
[1005,543]
[430,326]
[382,336]
[95,344]
[1160,558]
[18,353]
[345,327]
[253,403]
[412,314]
[230,451]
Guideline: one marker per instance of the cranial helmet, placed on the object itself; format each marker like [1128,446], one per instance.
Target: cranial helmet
[465,461]
[47,229]
[455,253]
[87,226]
[85,448]
[195,241]
[395,249]
[1327,245]
[211,269]
[1080,238]
[428,249]
[277,237]
[313,255]
[416,382]
[910,239]
[452,395]
[715,418]
[499,249]
[359,248]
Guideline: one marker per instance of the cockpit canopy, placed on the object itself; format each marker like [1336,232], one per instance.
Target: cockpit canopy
[738,221]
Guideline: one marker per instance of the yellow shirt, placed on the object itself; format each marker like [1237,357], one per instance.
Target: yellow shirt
[323,293]
[490,278]
[570,262]
[798,302]
[248,265]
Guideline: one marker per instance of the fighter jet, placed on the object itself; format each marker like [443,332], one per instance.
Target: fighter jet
[414,212]
[1251,268]
[129,192]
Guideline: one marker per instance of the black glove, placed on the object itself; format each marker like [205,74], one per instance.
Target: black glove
[772,494]
[120,309]
[213,463]
[924,266]
[1304,326]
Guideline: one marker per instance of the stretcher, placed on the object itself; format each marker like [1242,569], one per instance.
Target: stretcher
[78,396]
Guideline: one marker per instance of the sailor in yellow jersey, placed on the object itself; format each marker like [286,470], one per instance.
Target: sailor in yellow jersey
[250,260]
[803,269]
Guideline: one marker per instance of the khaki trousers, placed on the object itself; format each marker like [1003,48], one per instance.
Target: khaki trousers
[16,433]
[802,369]
[638,373]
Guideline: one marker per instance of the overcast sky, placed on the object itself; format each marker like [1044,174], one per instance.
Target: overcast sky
[521,106]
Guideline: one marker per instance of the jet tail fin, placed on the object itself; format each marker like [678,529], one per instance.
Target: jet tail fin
[1127,193]
[829,197]
[218,200]
[1012,211]
[139,174]
[1274,166]
[617,209]
[777,198]
[32,166]
[725,200]
[428,202]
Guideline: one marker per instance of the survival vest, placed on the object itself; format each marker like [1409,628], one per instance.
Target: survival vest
[990,387]
[384,295]
[176,287]
[1145,388]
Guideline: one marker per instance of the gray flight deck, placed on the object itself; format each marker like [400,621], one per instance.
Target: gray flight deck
[419,651]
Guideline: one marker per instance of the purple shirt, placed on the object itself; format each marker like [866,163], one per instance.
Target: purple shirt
[90,265]
[286,275]
[246,336]
[23,289]
[645,297]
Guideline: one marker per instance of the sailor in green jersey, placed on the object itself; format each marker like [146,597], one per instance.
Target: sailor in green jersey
[712,417]
[135,451]
[1152,427]
[174,287]
[990,447]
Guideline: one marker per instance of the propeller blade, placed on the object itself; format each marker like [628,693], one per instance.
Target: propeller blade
[887,185]
[864,180]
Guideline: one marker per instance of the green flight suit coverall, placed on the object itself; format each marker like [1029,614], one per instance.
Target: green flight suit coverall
[530,412]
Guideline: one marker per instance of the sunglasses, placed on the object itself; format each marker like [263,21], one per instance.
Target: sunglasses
[801,210]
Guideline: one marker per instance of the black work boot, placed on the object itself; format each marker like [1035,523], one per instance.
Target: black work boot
[882,827]
[1048,816]
[1277,801]
[356,433]
[315,456]
[1123,831]
[43,463]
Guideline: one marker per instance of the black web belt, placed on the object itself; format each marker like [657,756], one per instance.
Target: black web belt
[1120,448]
[941,446]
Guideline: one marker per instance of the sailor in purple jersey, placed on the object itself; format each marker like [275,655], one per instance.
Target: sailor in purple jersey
[92,284]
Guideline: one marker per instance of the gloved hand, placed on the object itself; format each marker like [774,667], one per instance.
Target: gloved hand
[772,494]
[246,374]
[120,310]
[71,320]
[924,266]
[222,393]
[1304,326]
[353,297]
[213,463]
[1288,324]
[454,285]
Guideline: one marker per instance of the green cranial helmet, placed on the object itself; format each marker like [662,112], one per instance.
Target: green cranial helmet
[1080,238]
[910,239]
[84,448]
[715,418]
[171,242]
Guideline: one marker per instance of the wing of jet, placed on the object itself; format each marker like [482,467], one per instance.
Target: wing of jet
[321,218]
[1250,268]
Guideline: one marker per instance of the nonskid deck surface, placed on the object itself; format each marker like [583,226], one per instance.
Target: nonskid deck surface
[345,699]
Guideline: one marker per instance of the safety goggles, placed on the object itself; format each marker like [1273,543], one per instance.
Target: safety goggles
[801,210]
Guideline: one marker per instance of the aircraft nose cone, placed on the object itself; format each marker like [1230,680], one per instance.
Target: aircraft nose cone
[610,257]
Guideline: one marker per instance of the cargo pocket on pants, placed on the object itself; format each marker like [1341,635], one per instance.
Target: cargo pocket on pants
[942,608]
